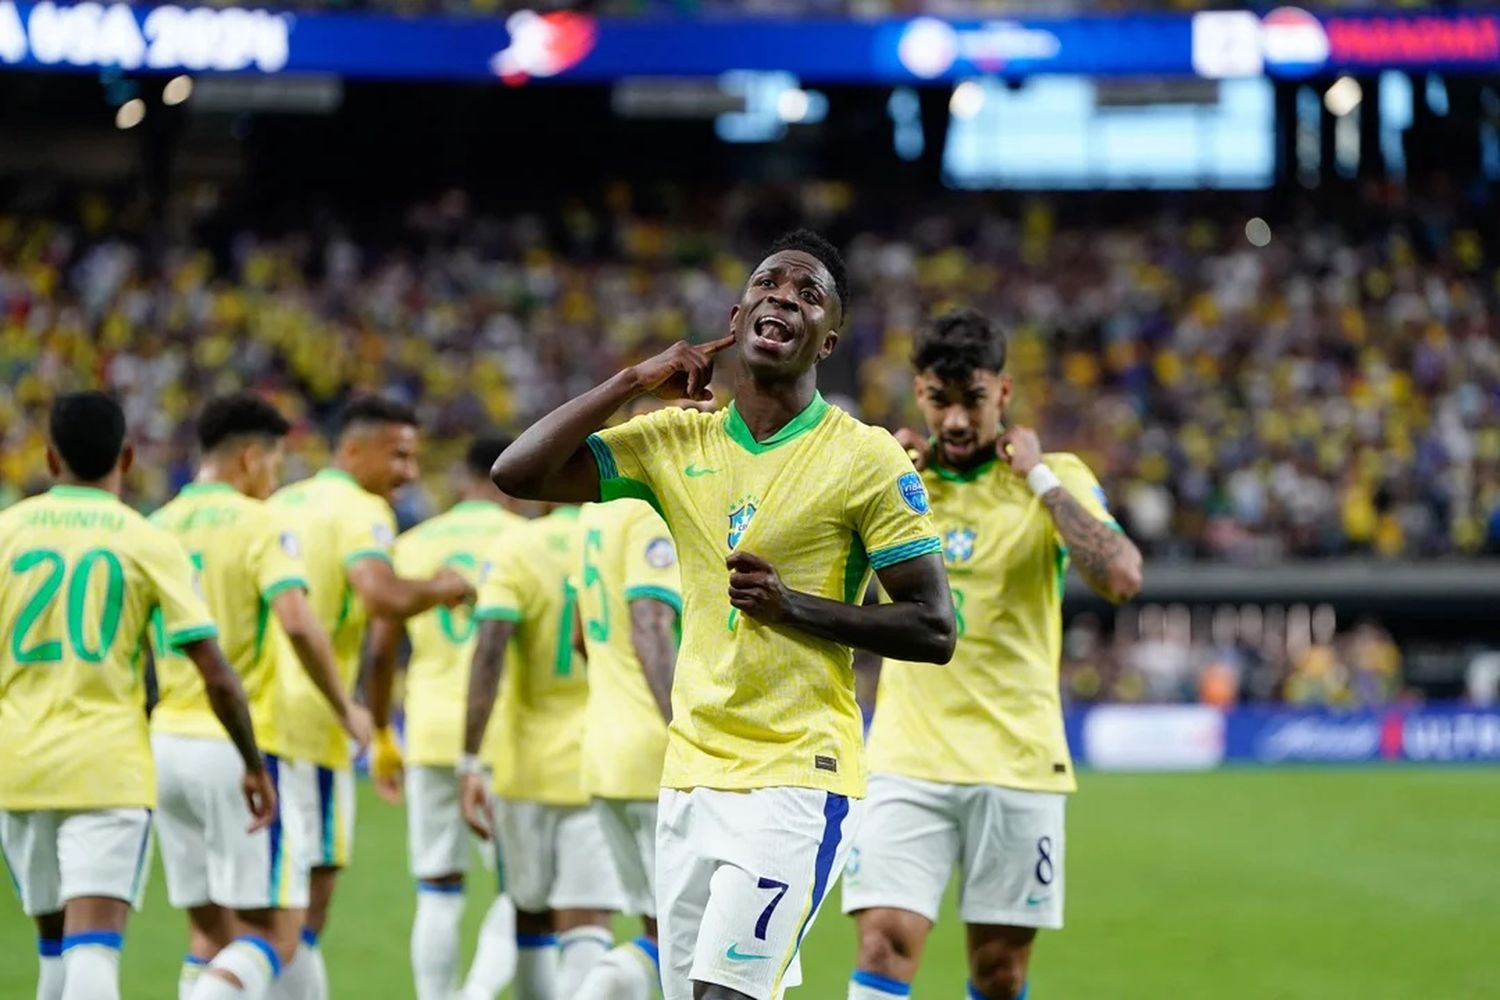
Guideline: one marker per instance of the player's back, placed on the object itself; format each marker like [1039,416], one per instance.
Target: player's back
[442,639]
[82,574]
[544,690]
[627,555]
[244,556]
[993,715]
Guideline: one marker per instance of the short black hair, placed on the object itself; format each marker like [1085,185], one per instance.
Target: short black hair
[827,254]
[483,451]
[371,409]
[957,344]
[242,414]
[88,432]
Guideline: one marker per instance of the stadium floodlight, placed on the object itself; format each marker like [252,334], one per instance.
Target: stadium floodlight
[130,114]
[1343,96]
[967,100]
[792,105]
[177,90]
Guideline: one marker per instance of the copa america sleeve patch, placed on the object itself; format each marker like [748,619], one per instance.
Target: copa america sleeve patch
[382,534]
[660,554]
[913,492]
[290,545]
[1101,497]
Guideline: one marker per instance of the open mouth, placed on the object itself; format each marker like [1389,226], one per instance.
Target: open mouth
[772,331]
[958,446]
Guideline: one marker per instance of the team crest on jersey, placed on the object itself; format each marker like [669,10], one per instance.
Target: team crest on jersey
[660,554]
[913,492]
[958,544]
[290,545]
[739,520]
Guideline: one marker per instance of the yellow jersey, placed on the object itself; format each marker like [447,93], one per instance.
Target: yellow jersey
[338,523]
[544,689]
[993,715]
[627,556]
[824,500]
[80,576]
[245,555]
[442,639]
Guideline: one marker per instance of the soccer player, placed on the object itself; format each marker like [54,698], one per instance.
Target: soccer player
[780,506]
[629,598]
[245,893]
[346,527]
[970,764]
[557,866]
[81,574]
[437,684]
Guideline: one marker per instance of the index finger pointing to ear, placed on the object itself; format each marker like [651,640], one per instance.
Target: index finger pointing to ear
[715,346]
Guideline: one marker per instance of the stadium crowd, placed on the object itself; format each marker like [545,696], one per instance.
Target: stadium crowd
[1336,391]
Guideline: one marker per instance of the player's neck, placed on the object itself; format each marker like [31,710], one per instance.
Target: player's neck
[109,484]
[767,407]
[212,472]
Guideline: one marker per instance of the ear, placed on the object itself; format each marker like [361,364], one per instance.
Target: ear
[1005,388]
[127,458]
[54,464]
[734,314]
[830,341]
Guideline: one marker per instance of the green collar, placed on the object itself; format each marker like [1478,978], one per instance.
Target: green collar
[209,487]
[739,431]
[967,476]
[332,473]
[474,506]
[82,492]
[569,511]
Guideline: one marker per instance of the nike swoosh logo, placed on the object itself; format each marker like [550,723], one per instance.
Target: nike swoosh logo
[735,955]
[1036,900]
[693,471]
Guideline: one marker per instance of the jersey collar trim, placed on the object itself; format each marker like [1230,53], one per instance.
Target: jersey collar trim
[337,474]
[739,431]
[209,487]
[89,492]
[966,476]
[476,506]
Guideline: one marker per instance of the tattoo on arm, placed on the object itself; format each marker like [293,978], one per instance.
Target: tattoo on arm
[484,680]
[1094,546]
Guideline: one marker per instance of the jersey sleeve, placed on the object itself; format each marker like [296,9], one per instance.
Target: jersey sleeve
[184,615]
[887,504]
[506,586]
[1079,480]
[651,561]
[633,456]
[277,557]
[368,533]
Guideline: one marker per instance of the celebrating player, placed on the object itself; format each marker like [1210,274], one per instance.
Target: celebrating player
[629,598]
[556,862]
[249,566]
[437,683]
[346,526]
[80,576]
[780,506]
[970,766]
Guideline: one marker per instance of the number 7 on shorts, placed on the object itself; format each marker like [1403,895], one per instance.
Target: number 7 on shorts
[765,915]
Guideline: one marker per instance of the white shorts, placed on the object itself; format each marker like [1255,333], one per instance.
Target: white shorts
[630,832]
[55,855]
[324,802]
[1008,844]
[740,878]
[202,823]
[437,838]
[555,857]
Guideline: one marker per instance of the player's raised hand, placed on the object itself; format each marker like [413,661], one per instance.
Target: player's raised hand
[476,805]
[452,588]
[918,446]
[260,796]
[755,588]
[1021,448]
[682,371]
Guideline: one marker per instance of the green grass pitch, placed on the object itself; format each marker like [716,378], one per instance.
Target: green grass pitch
[1236,885]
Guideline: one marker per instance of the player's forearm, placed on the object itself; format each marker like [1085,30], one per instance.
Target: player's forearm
[379,668]
[1108,561]
[918,631]
[313,648]
[653,637]
[484,681]
[227,699]
[400,598]
[550,460]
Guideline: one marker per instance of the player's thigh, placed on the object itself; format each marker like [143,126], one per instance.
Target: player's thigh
[906,847]
[586,877]
[781,851]
[684,870]
[334,844]
[629,830]
[104,853]
[28,842]
[264,870]
[436,836]
[528,841]
[185,768]
[1013,858]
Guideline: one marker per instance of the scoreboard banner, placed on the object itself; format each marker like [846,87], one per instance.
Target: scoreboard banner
[526,46]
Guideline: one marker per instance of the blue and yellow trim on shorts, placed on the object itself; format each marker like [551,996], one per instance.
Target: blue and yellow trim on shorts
[279,891]
[835,811]
[333,848]
[143,856]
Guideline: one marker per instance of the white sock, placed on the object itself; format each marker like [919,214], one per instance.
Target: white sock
[50,974]
[869,986]
[92,961]
[304,977]
[578,951]
[187,976]
[628,973]
[536,967]
[249,959]
[434,939]
[495,958]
